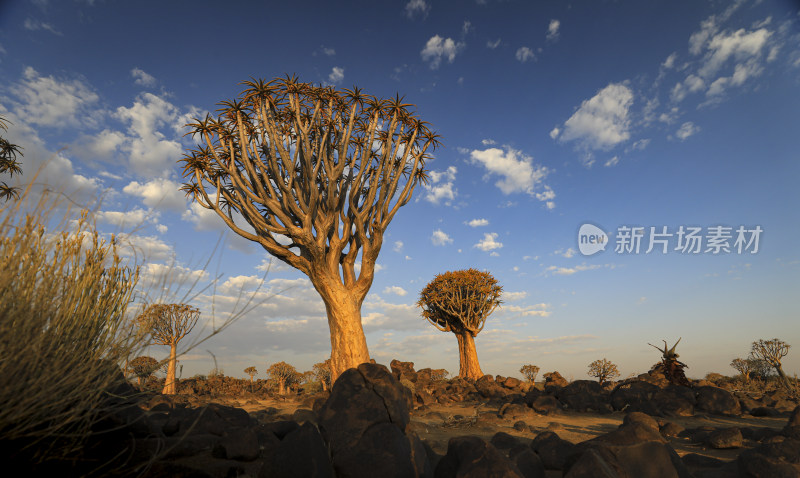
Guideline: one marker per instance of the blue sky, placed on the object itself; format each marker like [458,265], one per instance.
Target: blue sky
[552,115]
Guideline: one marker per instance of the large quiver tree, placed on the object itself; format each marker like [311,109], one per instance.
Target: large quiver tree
[317,174]
[459,302]
[167,324]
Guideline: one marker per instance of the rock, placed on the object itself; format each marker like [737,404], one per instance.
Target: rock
[638,417]
[552,449]
[281,428]
[771,460]
[302,453]
[718,401]
[694,460]
[671,401]
[471,457]
[240,444]
[402,368]
[546,405]
[726,438]
[302,415]
[670,429]
[520,426]
[528,462]
[632,395]
[165,469]
[794,418]
[366,425]
[514,410]
[488,388]
[764,412]
[512,383]
[636,428]
[584,396]
[590,464]
[641,460]
[504,441]
[554,379]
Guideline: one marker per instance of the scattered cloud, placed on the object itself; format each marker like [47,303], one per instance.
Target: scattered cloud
[602,121]
[142,78]
[568,271]
[612,162]
[524,54]
[438,48]
[35,25]
[493,44]
[518,172]
[54,102]
[687,129]
[552,30]
[158,193]
[441,187]
[513,296]
[398,246]
[489,242]
[440,238]
[417,8]
[478,222]
[395,290]
[336,76]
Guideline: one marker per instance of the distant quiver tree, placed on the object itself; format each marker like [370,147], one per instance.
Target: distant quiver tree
[314,175]
[459,302]
[772,352]
[168,324]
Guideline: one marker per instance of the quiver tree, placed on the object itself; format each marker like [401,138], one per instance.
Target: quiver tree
[8,163]
[529,372]
[746,367]
[604,370]
[670,366]
[283,375]
[459,302]
[322,372]
[317,174]
[167,325]
[252,372]
[143,367]
[771,352]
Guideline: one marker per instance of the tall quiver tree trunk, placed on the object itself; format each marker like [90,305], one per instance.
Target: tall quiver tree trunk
[170,385]
[323,168]
[468,365]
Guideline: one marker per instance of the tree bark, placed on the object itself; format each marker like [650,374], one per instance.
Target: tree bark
[783,377]
[169,383]
[348,343]
[468,366]
[281,387]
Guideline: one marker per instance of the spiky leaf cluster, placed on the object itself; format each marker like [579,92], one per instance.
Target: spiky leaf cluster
[8,163]
[461,300]
[325,168]
[770,351]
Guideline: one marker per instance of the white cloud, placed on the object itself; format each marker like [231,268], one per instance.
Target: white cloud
[398,246]
[438,48]
[148,248]
[602,121]
[440,238]
[670,61]
[567,271]
[552,30]
[489,242]
[687,129]
[142,78]
[538,310]
[512,296]
[34,25]
[478,222]
[47,101]
[441,186]
[158,193]
[127,219]
[336,76]
[612,162]
[395,290]
[517,171]
[415,7]
[493,44]
[524,54]
[555,132]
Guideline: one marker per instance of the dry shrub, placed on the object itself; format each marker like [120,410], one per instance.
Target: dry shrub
[63,331]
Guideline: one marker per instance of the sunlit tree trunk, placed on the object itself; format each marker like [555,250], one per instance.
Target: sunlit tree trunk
[169,383]
[348,342]
[468,366]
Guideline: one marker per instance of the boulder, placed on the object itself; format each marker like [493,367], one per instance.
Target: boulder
[771,460]
[405,369]
[471,457]
[632,395]
[717,401]
[240,444]
[546,405]
[553,450]
[528,462]
[584,396]
[302,453]
[504,441]
[726,438]
[554,379]
[365,423]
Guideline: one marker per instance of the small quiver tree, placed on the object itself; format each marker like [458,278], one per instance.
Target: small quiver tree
[604,370]
[283,375]
[252,372]
[772,352]
[745,367]
[167,325]
[322,372]
[670,366]
[317,174]
[143,367]
[459,302]
[529,371]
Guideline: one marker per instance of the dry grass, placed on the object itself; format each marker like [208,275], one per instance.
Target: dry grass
[63,327]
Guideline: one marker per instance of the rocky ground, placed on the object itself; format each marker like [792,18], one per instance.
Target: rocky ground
[377,422]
